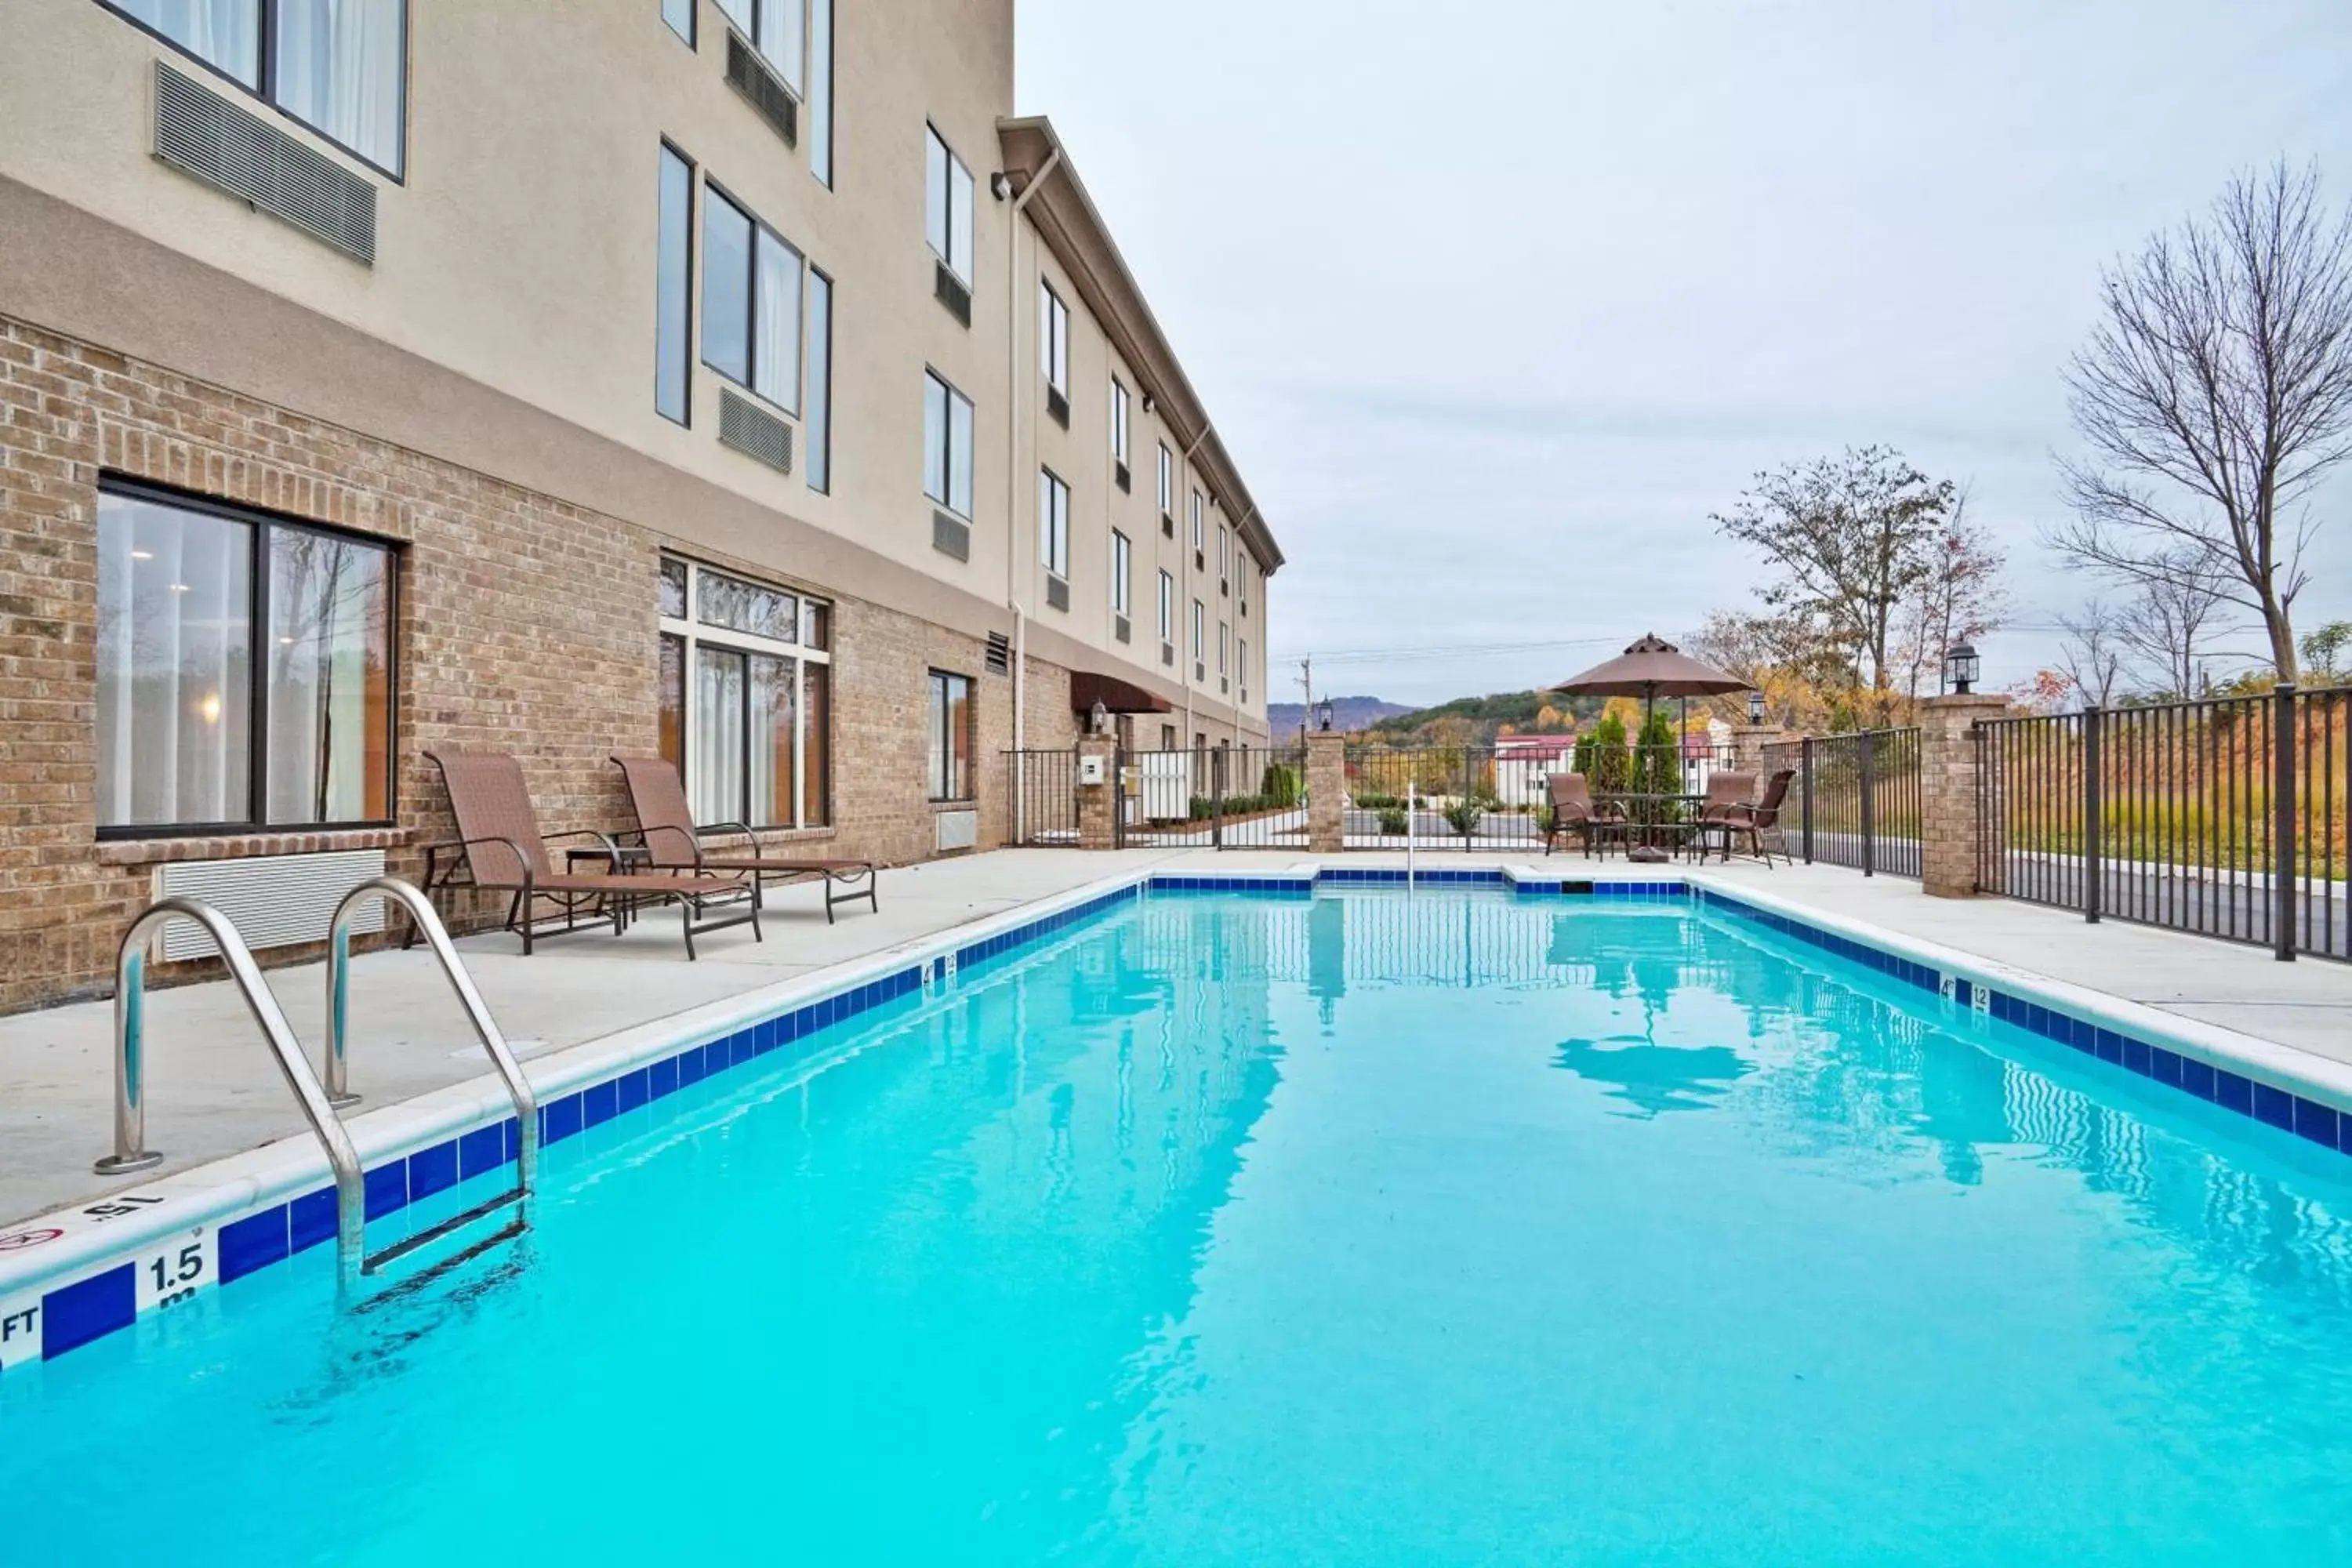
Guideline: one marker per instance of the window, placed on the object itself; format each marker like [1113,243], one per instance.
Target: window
[1167,607]
[674,287]
[1200,630]
[946,446]
[1224,648]
[820,90]
[680,15]
[774,28]
[743,675]
[1244,666]
[1167,481]
[1119,550]
[1198,538]
[950,736]
[1118,422]
[1224,554]
[244,669]
[751,303]
[947,206]
[1054,338]
[1054,523]
[820,382]
[339,66]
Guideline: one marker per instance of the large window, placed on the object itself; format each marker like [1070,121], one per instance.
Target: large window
[946,446]
[778,29]
[949,729]
[947,206]
[1054,339]
[244,669]
[751,303]
[674,287]
[1119,551]
[1054,523]
[744,673]
[680,15]
[820,90]
[338,66]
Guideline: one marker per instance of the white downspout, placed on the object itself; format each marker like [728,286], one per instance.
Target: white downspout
[1013,467]
[1185,555]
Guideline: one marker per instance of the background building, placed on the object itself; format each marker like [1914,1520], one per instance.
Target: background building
[734,379]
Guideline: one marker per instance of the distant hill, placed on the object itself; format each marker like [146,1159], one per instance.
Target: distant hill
[1346,713]
[1520,710]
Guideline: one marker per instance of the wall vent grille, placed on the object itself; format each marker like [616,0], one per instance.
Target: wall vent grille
[763,88]
[950,536]
[955,830]
[754,432]
[1168,654]
[274,900]
[1126,479]
[1120,629]
[204,134]
[999,653]
[1057,592]
[951,291]
[1057,403]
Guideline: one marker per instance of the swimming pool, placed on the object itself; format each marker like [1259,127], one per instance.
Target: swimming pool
[1362,1227]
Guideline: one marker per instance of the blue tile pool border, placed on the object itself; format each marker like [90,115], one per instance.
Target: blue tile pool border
[90,1303]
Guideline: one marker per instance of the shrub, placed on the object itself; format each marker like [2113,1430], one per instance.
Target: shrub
[1392,821]
[1279,787]
[1465,815]
[1547,819]
[1377,801]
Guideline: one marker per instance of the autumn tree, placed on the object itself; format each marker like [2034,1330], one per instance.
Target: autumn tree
[2212,397]
[1960,599]
[1853,537]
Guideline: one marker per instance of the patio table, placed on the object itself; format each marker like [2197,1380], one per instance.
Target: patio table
[1647,818]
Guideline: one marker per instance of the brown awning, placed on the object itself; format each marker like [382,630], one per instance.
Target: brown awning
[1116,695]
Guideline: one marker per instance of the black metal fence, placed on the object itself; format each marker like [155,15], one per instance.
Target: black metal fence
[2224,817]
[1041,795]
[1494,797]
[1855,799]
[1221,797]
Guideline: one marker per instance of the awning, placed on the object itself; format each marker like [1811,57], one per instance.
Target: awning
[1116,695]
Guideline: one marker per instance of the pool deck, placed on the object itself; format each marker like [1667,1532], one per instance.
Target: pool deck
[212,1091]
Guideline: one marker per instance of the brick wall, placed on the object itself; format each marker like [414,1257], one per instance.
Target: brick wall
[525,623]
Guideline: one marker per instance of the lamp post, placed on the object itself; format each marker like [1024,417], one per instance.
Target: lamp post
[1756,708]
[1323,714]
[1961,668]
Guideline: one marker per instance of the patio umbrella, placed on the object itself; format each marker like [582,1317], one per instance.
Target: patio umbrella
[1651,669]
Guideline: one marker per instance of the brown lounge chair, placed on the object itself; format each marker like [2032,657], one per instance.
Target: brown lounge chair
[1761,821]
[665,826]
[1572,811]
[1723,810]
[499,846]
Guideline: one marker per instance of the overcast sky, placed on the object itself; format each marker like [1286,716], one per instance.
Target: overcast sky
[1494,303]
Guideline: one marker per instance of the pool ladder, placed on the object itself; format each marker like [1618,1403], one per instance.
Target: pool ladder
[321,1103]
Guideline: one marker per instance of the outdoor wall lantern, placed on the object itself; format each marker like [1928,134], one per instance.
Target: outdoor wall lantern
[1100,715]
[1961,667]
[1323,714]
[1756,708]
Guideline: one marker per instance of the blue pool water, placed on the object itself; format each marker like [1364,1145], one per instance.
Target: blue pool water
[1367,1228]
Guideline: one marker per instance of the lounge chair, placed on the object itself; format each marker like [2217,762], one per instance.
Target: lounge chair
[667,828]
[1761,821]
[1721,812]
[499,848]
[1572,811]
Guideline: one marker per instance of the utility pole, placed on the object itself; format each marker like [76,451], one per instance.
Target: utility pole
[1307,712]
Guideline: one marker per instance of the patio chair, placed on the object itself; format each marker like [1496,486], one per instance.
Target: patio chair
[1761,821]
[1728,795]
[672,841]
[499,848]
[1572,811]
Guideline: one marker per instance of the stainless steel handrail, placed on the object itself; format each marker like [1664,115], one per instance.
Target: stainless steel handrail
[427,921]
[131,1152]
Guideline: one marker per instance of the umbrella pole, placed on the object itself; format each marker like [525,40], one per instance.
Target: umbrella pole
[1646,854]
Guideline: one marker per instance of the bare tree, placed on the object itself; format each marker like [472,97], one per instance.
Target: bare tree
[1960,599]
[2166,629]
[1852,536]
[2092,658]
[2216,392]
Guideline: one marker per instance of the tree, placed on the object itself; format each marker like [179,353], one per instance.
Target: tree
[2092,658]
[2324,648]
[2214,395]
[1960,600]
[1853,536]
[2164,629]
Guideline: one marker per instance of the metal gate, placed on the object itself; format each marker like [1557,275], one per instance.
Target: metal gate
[1213,797]
[1043,795]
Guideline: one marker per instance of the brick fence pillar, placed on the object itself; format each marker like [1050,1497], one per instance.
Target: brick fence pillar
[1327,791]
[1748,743]
[1947,791]
[1098,801]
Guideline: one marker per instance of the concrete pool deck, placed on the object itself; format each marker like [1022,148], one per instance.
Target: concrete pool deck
[212,1090]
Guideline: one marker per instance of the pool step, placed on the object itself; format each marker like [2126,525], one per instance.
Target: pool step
[433,1233]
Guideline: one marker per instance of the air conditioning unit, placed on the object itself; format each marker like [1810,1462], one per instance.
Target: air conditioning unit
[951,535]
[274,900]
[1168,654]
[1118,627]
[754,432]
[955,830]
[204,134]
[951,291]
[1057,592]
[763,88]
[1058,405]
